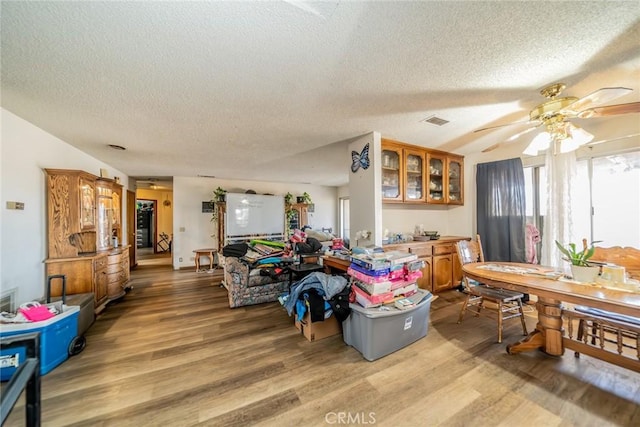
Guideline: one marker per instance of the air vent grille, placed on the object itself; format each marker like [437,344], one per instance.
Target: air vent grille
[435,120]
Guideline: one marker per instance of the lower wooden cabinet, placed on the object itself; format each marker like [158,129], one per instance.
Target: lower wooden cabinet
[106,274]
[101,280]
[442,273]
[441,270]
[117,273]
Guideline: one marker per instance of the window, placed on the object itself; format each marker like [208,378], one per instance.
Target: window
[344,218]
[605,203]
[616,199]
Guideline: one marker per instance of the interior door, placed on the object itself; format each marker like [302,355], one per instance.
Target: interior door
[131,228]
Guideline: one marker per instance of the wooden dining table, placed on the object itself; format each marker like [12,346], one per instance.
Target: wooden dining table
[551,292]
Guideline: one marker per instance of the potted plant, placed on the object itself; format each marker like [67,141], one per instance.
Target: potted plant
[581,270]
[219,194]
[288,199]
[306,198]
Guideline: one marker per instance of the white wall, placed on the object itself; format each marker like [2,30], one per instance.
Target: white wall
[365,198]
[190,192]
[25,151]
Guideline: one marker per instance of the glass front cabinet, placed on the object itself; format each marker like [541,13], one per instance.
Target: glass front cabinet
[437,178]
[105,215]
[392,174]
[455,185]
[414,176]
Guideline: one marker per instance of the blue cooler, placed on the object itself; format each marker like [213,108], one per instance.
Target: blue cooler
[57,336]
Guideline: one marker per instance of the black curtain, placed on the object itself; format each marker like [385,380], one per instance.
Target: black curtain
[501,210]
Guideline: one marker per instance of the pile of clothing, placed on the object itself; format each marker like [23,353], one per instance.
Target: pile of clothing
[322,295]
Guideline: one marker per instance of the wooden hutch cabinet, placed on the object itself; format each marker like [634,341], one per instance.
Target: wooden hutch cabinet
[82,221]
[220,209]
[297,216]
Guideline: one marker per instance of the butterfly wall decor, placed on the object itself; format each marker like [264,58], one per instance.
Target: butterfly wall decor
[360,160]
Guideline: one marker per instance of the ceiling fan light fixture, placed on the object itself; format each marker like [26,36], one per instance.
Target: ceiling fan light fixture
[580,135]
[541,142]
[568,145]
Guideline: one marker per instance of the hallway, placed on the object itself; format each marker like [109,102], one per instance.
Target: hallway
[146,257]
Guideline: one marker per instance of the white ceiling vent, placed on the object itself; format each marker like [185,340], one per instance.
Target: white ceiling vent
[435,120]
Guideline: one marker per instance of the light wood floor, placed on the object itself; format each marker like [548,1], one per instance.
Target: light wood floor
[172,353]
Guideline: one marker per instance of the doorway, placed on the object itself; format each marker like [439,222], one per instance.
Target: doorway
[146,224]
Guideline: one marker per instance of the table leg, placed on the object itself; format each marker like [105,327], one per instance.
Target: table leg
[197,262]
[548,333]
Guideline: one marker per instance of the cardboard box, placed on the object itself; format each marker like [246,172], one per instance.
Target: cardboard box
[318,330]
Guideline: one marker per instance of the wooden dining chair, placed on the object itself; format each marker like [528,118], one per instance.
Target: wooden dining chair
[508,304]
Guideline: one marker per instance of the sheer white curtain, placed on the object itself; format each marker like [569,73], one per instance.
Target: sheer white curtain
[561,178]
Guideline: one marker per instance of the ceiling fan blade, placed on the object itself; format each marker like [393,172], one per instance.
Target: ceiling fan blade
[524,132]
[527,122]
[511,138]
[610,110]
[493,147]
[612,139]
[598,97]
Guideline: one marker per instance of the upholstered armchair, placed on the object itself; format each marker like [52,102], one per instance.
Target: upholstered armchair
[246,286]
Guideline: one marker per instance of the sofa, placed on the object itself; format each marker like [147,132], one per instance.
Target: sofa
[246,286]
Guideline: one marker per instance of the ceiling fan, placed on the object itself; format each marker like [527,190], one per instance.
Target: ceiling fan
[554,115]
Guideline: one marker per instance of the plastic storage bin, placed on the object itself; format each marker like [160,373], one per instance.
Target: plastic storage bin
[376,333]
[56,337]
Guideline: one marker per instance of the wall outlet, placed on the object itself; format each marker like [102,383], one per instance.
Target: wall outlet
[182,229]
[180,259]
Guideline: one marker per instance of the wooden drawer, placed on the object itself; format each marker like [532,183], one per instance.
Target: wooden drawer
[113,259]
[421,251]
[114,268]
[443,249]
[100,263]
[118,277]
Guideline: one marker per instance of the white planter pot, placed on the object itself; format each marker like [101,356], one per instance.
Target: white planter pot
[584,274]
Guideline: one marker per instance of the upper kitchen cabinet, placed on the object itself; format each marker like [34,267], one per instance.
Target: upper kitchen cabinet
[392,173]
[445,179]
[414,176]
[411,174]
[455,195]
[437,182]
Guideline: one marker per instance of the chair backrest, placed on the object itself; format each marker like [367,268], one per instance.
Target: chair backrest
[628,257]
[470,251]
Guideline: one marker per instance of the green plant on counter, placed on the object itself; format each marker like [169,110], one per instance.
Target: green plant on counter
[574,256]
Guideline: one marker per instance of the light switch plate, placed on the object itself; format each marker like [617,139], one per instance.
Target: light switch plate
[15,205]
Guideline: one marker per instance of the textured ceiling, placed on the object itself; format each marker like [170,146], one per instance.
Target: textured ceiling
[274,90]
